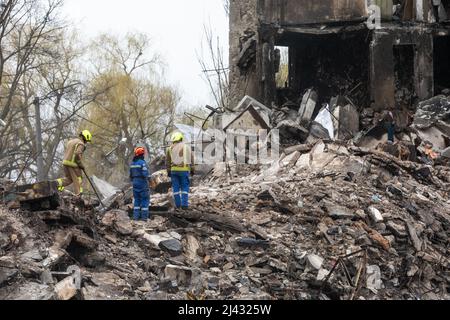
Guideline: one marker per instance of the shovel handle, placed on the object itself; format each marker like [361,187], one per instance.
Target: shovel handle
[93,187]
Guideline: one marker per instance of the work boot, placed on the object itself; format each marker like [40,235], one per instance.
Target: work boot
[184,208]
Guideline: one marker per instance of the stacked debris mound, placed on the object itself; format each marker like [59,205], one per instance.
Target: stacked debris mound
[326,221]
[343,223]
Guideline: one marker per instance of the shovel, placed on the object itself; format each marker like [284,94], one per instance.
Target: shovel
[93,187]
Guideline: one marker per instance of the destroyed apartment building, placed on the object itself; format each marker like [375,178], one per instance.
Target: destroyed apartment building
[340,214]
[336,49]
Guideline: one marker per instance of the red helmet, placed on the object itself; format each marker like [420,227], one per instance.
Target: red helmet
[139,151]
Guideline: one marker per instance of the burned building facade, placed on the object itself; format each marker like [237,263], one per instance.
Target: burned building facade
[338,48]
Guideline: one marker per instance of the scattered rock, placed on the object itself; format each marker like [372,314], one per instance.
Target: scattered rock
[374,282]
[315,261]
[337,212]
[182,275]
[122,223]
[376,215]
[30,291]
[66,289]
[173,246]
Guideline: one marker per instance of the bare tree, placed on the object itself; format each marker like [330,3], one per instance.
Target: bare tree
[39,58]
[24,25]
[214,68]
[138,106]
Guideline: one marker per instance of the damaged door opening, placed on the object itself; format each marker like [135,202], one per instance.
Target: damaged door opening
[282,76]
[441,63]
[334,63]
[404,74]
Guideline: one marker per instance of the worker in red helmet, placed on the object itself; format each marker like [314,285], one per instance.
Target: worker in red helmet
[139,175]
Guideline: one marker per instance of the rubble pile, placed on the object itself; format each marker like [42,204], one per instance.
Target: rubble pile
[327,221]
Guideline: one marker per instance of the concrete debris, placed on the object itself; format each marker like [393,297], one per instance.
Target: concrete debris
[374,282]
[346,122]
[246,237]
[315,261]
[431,111]
[308,108]
[119,220]
[29,291]
[173,246]
[182,275]
[66,289]
[376,215]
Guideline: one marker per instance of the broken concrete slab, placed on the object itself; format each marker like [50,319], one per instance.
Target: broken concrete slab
[338,212]
[291,130]
[173,246]
[34,255]
[375,214]
[122,223]
[55,254]
[290,160]
[346,122]
[63,239]
[182,275]
[308,108]
[66,289]
[320,157]
[156,239]
[119,221]
[191,248]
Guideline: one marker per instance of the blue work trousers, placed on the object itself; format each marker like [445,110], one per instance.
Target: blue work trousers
[181,185]
[141,204]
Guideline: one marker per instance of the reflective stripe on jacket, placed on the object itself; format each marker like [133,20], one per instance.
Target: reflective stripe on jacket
[139,174]
[74,153]
[180,158]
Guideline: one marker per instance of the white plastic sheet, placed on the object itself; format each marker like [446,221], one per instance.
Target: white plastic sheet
[104,188]
[324,118]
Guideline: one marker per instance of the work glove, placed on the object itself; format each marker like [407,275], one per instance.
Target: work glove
[81,166]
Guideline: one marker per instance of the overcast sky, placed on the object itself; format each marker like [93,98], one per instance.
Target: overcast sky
[176,27]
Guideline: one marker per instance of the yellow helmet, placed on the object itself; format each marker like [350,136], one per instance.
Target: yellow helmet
[86,135]
[177,137]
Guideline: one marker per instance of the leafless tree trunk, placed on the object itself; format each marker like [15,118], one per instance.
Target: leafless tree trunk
[214,67]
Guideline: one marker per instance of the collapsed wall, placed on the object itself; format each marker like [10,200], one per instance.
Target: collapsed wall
[244,40]
[394,65]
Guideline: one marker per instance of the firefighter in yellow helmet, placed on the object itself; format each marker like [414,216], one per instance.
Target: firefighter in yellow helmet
[180,163]
[73,164]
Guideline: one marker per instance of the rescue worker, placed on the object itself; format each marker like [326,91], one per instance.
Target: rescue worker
[389,122]
[180,163]
[73,164]
[139,175]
